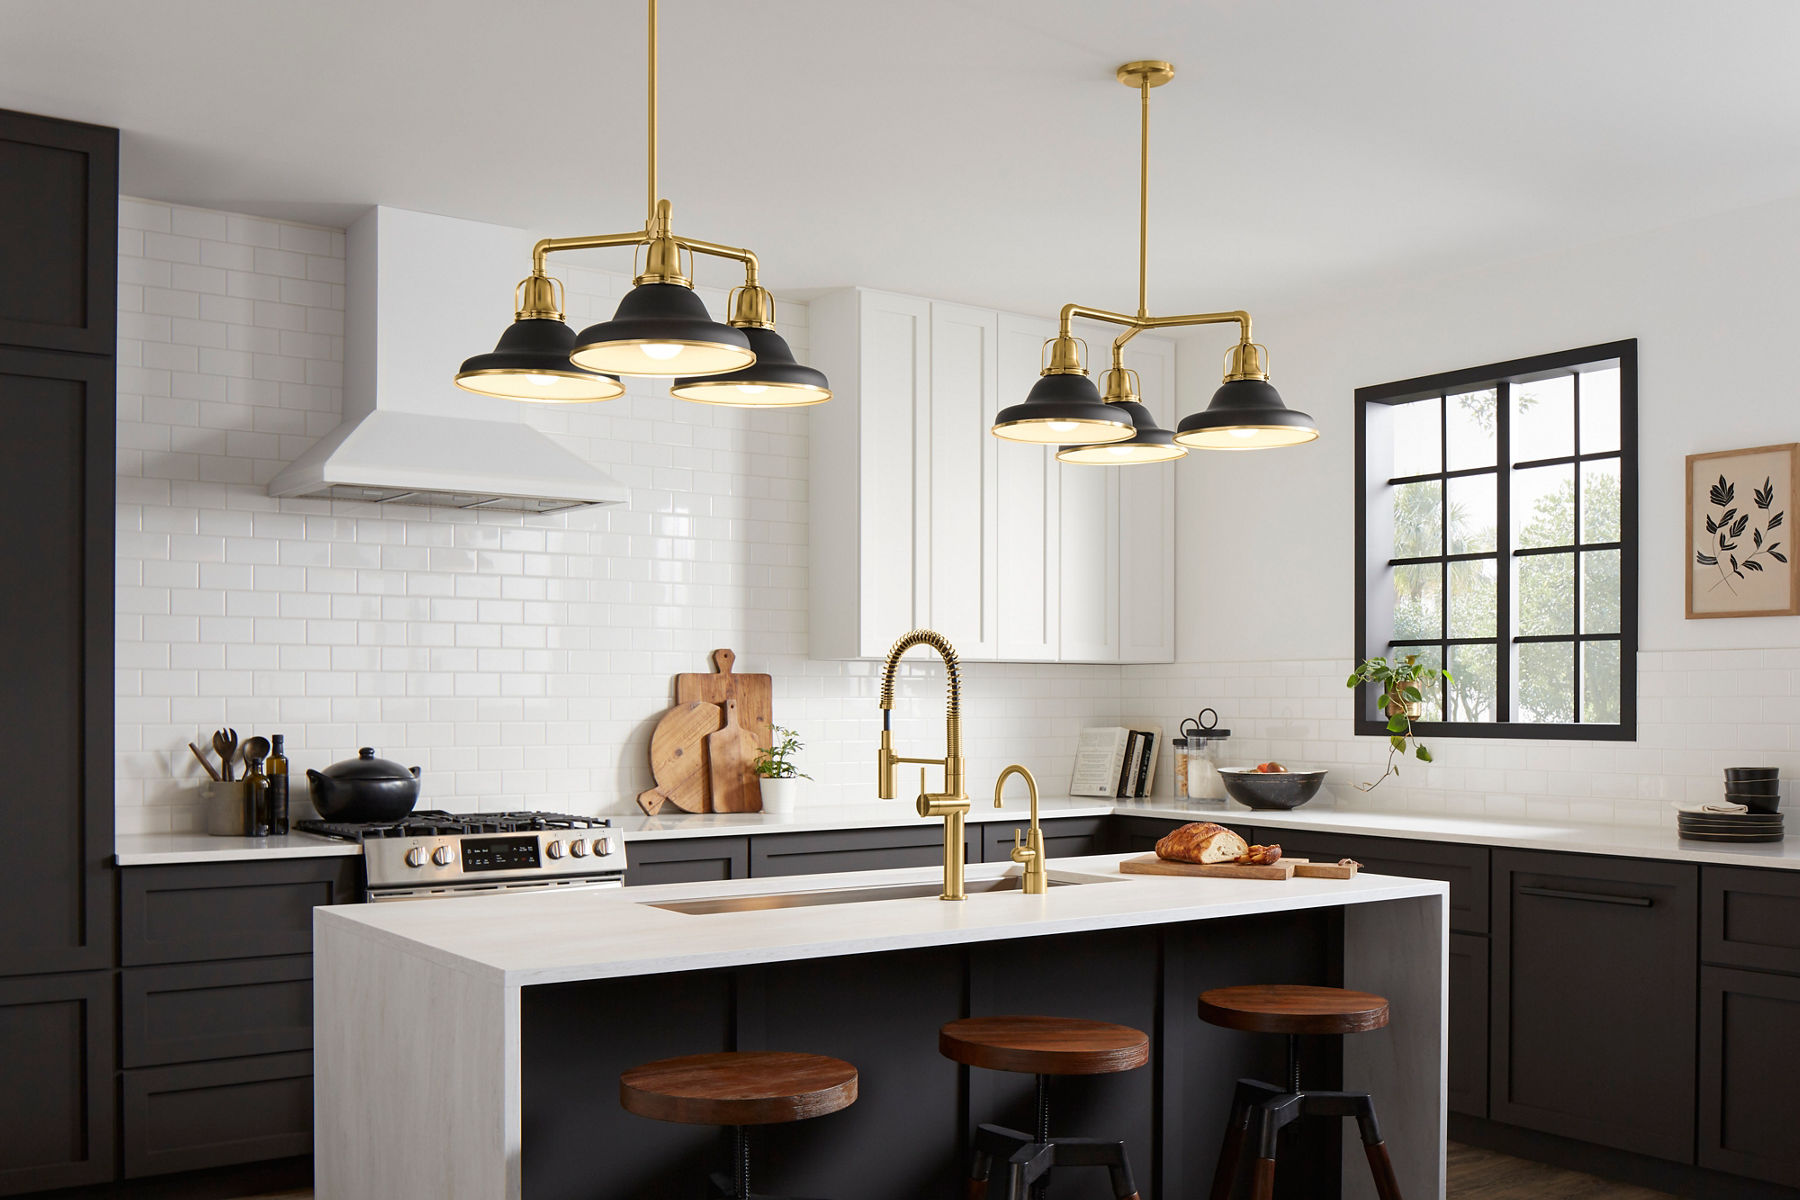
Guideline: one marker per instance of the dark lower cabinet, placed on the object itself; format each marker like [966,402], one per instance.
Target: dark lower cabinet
[56,1089]
[1068,837]
[211,911]
[1468,1090]
[1750,918]
[1749,1055]
[920,845]
[1464,868]
[1595,978]
[195,1012]
[215,1114]
[686,860]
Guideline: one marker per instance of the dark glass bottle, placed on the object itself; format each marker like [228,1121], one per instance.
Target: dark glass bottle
[277,771]
[256,799]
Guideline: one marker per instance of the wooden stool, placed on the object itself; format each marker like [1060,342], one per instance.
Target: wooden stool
[1043,1046]
[1293,1009]
[758,1087]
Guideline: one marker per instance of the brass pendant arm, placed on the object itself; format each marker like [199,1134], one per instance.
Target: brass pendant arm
[640,237]
[735,253]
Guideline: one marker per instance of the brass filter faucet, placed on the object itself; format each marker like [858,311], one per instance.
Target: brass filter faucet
[952,803]
[1031,854]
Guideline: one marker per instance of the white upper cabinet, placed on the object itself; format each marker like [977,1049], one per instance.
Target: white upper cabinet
[920,516]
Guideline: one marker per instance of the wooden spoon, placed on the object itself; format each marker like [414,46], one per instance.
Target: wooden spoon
[225,742]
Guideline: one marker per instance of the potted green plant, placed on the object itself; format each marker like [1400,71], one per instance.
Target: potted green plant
[780,774]
[1402,698]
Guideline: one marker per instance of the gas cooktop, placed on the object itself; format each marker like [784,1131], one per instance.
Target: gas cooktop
[433,823]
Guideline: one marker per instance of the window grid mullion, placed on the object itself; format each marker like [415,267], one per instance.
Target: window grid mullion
[1503,569]
[1575,564]
[1443,691]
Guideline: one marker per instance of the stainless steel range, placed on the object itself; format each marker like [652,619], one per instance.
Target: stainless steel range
[436,854]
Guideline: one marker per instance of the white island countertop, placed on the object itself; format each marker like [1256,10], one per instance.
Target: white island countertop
[564,935]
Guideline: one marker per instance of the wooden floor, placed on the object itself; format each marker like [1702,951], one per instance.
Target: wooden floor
[1474,1175]
[1485,1175]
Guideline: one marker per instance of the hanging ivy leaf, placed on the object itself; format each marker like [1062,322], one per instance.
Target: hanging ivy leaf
[1423,753]
[1705,559]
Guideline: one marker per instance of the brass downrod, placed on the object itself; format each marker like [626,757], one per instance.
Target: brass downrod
[653,197]
[1143,196]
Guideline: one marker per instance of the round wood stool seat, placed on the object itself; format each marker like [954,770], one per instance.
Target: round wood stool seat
[1293,1008]
[750,1087]
[1044,1045]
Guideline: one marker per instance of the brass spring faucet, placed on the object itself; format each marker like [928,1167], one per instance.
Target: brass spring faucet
[952,803]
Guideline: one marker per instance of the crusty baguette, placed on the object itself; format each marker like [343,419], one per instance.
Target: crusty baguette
[1202,842]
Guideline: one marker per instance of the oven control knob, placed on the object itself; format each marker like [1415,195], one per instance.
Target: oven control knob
[554,850]
[415,857]
[602,847]
[443,856]
[578,848]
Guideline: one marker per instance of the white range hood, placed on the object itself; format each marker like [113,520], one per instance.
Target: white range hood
[423,293]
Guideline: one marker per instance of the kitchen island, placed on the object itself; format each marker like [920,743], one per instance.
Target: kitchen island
[471,1047]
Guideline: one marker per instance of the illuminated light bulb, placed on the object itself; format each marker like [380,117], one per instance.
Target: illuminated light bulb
[1243,433]
[541,380]
[1061,426]
[752,389]
[661,350]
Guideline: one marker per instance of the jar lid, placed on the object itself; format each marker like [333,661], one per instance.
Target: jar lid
[1201,729]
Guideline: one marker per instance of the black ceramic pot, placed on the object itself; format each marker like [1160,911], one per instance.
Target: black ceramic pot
[364,788]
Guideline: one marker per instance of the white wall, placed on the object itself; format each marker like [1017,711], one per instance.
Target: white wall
[1266,591]
[520,661]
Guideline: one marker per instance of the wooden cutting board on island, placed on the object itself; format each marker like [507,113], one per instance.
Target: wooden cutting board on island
[1286,868]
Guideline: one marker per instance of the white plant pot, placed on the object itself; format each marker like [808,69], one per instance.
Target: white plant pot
[780,795]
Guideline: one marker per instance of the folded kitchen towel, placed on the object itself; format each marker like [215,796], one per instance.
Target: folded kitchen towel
[1710,806]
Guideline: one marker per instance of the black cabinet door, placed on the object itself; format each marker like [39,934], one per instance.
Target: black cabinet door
[686,860]
[920,845]
[1749,1099]
[56,1089]
[1066,837]
[1595,978]
[193,1012]
[204,912]
[214,1114]
[59,234]
[1750,918]
[1464,868]
[1468,1091]
[56,639]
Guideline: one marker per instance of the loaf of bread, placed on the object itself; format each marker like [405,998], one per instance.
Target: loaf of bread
[1261,856]
[1202,842]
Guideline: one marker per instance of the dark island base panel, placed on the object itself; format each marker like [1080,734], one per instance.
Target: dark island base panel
[1677,1179]
[907,1134]
[220,1183]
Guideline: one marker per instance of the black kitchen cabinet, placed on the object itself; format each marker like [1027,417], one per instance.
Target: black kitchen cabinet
[1139,835]
[920,845]
[214,1114]
[1464,868]
[686,860]
[1064,837]
[1468,1028]
[59,234]
[1595,978]
[1750,918]
[212,911]
[1749,1098]
[194,1012]
[56,1090]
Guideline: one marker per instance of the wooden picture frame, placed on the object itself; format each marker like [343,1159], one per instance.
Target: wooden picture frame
[1738,560]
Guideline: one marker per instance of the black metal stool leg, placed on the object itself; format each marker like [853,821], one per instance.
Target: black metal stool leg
[1237,1129]
[1027,1168]
[1041,1102]
[992,1144]
[1098,1152]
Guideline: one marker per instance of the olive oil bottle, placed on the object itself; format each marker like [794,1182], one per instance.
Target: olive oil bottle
[277,771]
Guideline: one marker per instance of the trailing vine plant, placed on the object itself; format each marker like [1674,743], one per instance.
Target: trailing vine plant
[1728,531]
[1401,693]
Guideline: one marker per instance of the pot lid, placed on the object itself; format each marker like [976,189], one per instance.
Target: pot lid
[366,766]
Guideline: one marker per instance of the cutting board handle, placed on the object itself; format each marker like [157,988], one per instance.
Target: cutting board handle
[722,660]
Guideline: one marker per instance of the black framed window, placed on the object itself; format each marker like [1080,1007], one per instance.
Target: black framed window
[1496,537]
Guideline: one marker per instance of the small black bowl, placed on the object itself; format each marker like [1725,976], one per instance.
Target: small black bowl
[1753,787]
[1756,801]
[1747,774]
[1271,789]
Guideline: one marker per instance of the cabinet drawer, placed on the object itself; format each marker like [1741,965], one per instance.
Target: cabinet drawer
[686,860]
[1070,837]
[214,1114]
[194,913]
[1750,918]
[1594,1013]
[215,1010]
[1464,868]
[920,845]
[1749,1103]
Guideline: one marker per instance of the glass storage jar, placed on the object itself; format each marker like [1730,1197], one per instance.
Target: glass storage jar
[1205,745]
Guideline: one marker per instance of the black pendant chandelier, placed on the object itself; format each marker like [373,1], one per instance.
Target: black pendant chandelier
[1246,413]
[661,328]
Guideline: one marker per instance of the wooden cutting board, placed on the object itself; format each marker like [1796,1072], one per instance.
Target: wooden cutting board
[678,758]
[753,693]
[1286,868]
[730,754]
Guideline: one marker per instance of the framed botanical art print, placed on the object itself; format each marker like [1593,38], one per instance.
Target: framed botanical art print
[1739,556]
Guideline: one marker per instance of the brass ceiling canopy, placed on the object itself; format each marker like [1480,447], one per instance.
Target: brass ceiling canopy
[1245,413]
[661,327]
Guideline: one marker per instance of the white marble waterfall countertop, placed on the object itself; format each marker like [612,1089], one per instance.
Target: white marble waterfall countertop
[564,935]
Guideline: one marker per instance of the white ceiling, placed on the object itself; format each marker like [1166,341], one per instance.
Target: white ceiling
[978,151]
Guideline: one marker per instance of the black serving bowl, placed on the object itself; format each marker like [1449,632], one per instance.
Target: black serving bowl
[1273,789]
[1737,775]
[1753,787]
[1767,802]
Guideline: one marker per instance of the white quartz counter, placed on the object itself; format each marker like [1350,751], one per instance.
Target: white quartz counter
[560,936]
[159,849]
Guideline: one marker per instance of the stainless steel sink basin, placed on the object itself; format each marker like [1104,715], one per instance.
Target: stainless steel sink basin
[858,895]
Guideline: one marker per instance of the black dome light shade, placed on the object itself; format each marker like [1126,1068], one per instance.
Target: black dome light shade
[774,380]
[1150,443]
[531,362]
[1246,414]
[1063,408]
[662,329]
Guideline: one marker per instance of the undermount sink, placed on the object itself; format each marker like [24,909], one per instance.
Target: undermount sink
[860,895]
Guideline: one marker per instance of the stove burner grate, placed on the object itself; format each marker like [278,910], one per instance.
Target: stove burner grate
[434,823]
